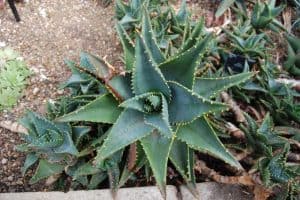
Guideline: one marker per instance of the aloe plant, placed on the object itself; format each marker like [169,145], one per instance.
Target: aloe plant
[292,63]
[272,150]
[158,106]
[264,16]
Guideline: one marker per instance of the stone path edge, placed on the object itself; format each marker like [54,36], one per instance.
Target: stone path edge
[206,190]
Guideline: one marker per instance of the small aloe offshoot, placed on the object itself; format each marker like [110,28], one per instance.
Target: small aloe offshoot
[53,140]
[158,107]
[264,16]
[292,63]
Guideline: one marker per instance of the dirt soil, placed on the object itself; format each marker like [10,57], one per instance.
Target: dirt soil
[50,31]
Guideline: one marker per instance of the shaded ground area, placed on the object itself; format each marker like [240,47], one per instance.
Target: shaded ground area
[50,31]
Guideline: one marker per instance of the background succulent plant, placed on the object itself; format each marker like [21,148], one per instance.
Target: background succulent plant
[13,75]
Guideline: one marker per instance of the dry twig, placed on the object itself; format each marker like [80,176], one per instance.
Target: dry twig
[13,127]
[132,157]
[239,116]
[235,131]
[295,84]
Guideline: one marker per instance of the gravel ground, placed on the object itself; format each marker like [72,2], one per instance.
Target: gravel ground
[50,31]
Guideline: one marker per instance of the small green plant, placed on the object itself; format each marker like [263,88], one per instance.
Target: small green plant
[292,63]
[272,149]
[264,16]
[296,23]
[13,74]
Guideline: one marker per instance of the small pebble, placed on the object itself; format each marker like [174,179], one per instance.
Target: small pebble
[35,91]
[10,178]
[4,161]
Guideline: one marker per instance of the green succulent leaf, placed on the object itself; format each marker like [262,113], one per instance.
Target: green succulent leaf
[129,128]
[46,169]
[46,135]
[79,132]
[178,156]
[30,160]
[147,77]
[95,66]
[150,41]
[128,47]
[120,87]
[225,4]
[183,13]
[187,106]
[85,169]
[211,87]
[67,146]
[96,180]
[157,148]
[160,120]
[182,67]
[103,109]
[192,40]
[77,76]
[200,136]
[138,102]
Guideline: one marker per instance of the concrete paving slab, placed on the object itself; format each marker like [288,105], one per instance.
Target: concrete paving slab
[139,193]
[217,191]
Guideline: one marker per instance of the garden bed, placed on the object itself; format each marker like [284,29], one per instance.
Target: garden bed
[261,153]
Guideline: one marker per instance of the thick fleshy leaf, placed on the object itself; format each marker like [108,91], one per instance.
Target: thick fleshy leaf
[67,146]
[182,14]
[128,47]
[211,87]
[137,102]
[200,136]
[225,4]
[94,65]
[103,109]
[85,169]
[113,176]
[161,120]
[30,160]
[157,148]
[182,67]
[96,180]
[182,158]
[178,156]
[46,169]
[192,40]
[120,87]
[77,76]
[150,41]
[79,132]
[186,106]
[129,128]
[147,77]
[45,135]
